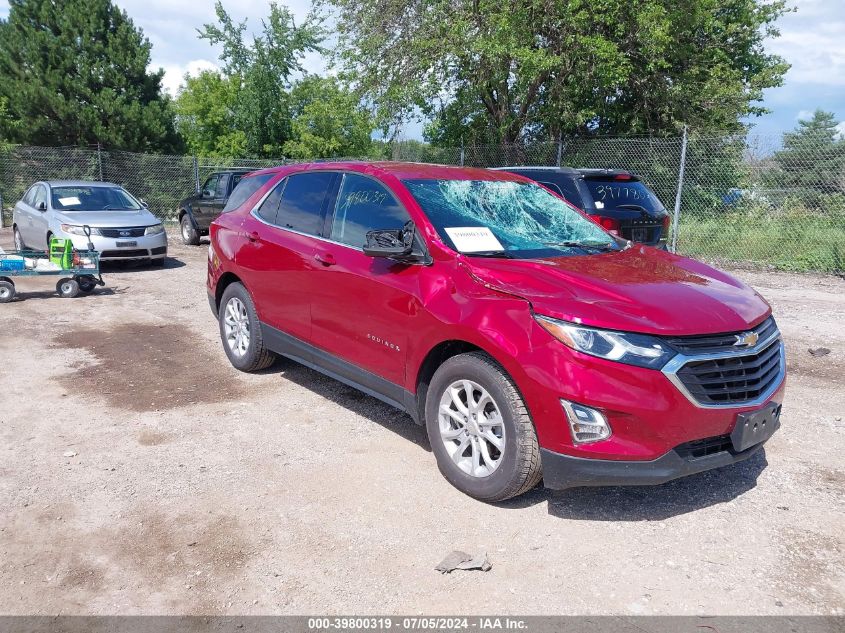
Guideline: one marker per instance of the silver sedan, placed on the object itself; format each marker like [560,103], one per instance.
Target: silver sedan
[122,228]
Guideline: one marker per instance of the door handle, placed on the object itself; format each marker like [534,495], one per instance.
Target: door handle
[253,237]
[326,259]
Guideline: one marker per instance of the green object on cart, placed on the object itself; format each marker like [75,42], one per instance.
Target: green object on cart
[61,252]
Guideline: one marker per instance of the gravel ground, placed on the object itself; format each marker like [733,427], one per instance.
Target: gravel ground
[141,474]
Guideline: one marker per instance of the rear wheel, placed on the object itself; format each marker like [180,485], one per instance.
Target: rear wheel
[240,331]
[67,288]
[7,291]
[190,236]
[480,431]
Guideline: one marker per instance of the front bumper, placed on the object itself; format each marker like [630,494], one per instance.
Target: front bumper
[564,471]
[144,247]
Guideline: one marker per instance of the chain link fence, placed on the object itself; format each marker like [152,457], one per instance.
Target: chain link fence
[742,202]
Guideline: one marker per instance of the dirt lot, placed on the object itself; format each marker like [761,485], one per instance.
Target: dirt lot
[193,488]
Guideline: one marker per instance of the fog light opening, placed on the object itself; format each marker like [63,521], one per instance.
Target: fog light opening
[586,424]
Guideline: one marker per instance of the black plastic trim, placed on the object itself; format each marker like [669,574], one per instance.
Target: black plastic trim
[564,471]
[339,369]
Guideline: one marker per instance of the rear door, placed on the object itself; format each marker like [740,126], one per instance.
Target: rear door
[40,219]
[23,219]
[277,259]
[363,308]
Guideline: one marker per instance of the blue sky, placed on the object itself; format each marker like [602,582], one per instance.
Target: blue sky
[812,40]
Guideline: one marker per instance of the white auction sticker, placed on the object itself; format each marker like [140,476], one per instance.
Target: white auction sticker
[471,239]
[69,202]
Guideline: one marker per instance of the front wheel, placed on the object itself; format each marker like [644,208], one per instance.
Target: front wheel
[7,291]
[67,288]
[240,331]
[86,283]
[190,235]
[480,431]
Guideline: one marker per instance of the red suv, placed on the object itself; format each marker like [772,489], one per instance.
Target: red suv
[530,342]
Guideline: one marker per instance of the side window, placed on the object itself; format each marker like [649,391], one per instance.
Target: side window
[364,205]
[40,195]
[269,209]
[244,189]
[301,207]
[210,186]
[29,197]
[221,186]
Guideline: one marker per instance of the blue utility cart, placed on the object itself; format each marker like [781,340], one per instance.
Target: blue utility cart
[81,276]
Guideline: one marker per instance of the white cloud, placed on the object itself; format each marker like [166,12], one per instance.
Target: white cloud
[841,129]
[174,74]
[804,115]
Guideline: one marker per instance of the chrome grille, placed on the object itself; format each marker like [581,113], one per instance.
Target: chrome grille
[733,380]
[134,231]
[716,342]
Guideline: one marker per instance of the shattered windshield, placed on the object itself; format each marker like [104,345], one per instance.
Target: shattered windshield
[506,219]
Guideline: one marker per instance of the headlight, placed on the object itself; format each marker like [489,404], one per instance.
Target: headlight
[73,229]
[155,229]
[624,347]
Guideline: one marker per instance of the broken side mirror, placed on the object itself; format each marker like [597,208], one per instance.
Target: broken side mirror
[392,243]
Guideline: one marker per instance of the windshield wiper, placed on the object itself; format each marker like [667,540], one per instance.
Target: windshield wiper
[596,246]
[500,254]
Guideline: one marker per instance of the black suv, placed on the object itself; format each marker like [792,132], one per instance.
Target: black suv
[616,199]
[197,212]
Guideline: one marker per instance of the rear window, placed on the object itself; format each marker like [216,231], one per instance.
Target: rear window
[607,193]
[247,186]
[301,207]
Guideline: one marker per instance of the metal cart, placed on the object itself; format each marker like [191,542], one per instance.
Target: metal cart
[82,277]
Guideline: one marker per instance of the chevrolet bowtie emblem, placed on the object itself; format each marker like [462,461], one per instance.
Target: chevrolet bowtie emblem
[747,339]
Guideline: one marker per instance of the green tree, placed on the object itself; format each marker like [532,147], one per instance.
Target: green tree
[260,72]
[811,165]
[205,116]
[75,73]
[531,69]
[328,121]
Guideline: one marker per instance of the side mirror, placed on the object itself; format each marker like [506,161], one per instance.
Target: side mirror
[207,193]
[42,206]
[392,243]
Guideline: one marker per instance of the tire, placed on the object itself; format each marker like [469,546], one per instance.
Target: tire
[19,245]
[86,283]
[67,288]
[518,467]
[236,307]
[7,291]
[190,235]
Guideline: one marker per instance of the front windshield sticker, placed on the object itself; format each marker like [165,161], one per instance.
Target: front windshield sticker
[472,239]
[69,202]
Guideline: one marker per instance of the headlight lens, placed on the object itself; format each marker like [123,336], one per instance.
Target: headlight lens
[155,229]
[624,347]
[73,229]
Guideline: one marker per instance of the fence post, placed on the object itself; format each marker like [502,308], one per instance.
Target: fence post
[2,224]
[100,161]
[677,213]
[196,174]
[462,152]
[559,148]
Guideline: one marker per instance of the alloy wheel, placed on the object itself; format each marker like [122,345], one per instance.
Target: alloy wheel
[236,326]
[471,428]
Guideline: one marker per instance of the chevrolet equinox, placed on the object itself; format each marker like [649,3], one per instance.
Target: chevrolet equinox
[531,343]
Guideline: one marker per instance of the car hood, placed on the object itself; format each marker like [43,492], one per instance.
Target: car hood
[141,217]
[640,289]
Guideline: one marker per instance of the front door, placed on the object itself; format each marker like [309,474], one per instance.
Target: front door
[363,308]
[203,208]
